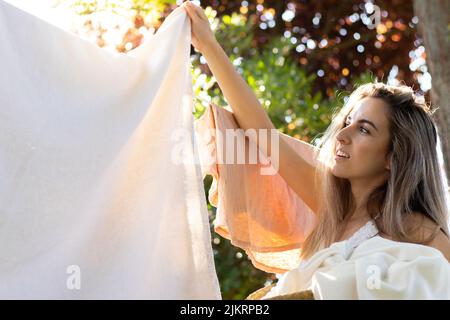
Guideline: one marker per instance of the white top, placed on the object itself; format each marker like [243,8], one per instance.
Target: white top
[367,266]
[367,231]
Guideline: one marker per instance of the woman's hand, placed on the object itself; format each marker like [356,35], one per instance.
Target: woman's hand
[201,33]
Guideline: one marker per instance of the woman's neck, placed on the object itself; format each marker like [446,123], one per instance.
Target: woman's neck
[361,189]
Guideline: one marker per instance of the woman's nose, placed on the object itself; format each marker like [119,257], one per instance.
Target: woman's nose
[343,136]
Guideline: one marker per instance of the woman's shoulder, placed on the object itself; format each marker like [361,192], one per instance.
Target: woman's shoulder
[423,228]
[442,243]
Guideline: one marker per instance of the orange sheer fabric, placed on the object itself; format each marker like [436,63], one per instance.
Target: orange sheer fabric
[257,212]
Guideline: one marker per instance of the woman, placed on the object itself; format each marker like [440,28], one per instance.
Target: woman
[377,160]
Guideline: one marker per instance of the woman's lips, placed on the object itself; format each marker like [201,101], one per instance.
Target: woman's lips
[336,157]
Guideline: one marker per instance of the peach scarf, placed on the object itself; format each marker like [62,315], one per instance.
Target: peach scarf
[257,212]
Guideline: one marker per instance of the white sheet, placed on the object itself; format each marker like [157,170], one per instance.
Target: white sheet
[92,202]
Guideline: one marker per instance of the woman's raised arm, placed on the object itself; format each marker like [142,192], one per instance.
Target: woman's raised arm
[248,112]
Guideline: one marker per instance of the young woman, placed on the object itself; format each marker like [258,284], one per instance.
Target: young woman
[378,160]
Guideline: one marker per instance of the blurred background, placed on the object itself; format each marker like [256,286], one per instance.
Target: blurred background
[301,58]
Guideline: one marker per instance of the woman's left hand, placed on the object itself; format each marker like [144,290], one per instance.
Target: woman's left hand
[201,33]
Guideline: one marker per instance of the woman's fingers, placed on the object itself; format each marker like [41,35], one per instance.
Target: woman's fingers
[190,11]
[196,9]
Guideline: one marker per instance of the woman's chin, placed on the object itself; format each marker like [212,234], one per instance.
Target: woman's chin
[337,172]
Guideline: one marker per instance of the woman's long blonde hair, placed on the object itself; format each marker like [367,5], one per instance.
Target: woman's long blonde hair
[415,183]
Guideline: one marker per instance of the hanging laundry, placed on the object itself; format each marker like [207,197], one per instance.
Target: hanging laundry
[96,202]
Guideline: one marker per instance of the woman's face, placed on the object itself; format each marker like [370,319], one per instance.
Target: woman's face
[365,139]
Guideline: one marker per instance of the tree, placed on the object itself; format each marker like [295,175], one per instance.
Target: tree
[336,39]
[434,25]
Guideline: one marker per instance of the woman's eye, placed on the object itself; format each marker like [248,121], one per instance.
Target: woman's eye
[365,130]
[361,129]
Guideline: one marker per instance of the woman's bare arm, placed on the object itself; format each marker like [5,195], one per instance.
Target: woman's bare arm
[248,112]
[246,106]
[296,171]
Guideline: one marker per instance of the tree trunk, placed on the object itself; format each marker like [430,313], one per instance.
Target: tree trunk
[434,27]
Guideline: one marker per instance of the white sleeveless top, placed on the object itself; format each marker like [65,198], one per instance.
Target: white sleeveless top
[367,266]
[364,233]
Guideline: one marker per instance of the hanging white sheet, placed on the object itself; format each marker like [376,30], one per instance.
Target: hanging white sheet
[94,200]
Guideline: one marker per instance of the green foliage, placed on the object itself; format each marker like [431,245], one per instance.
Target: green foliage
[281,85]
[286,91]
